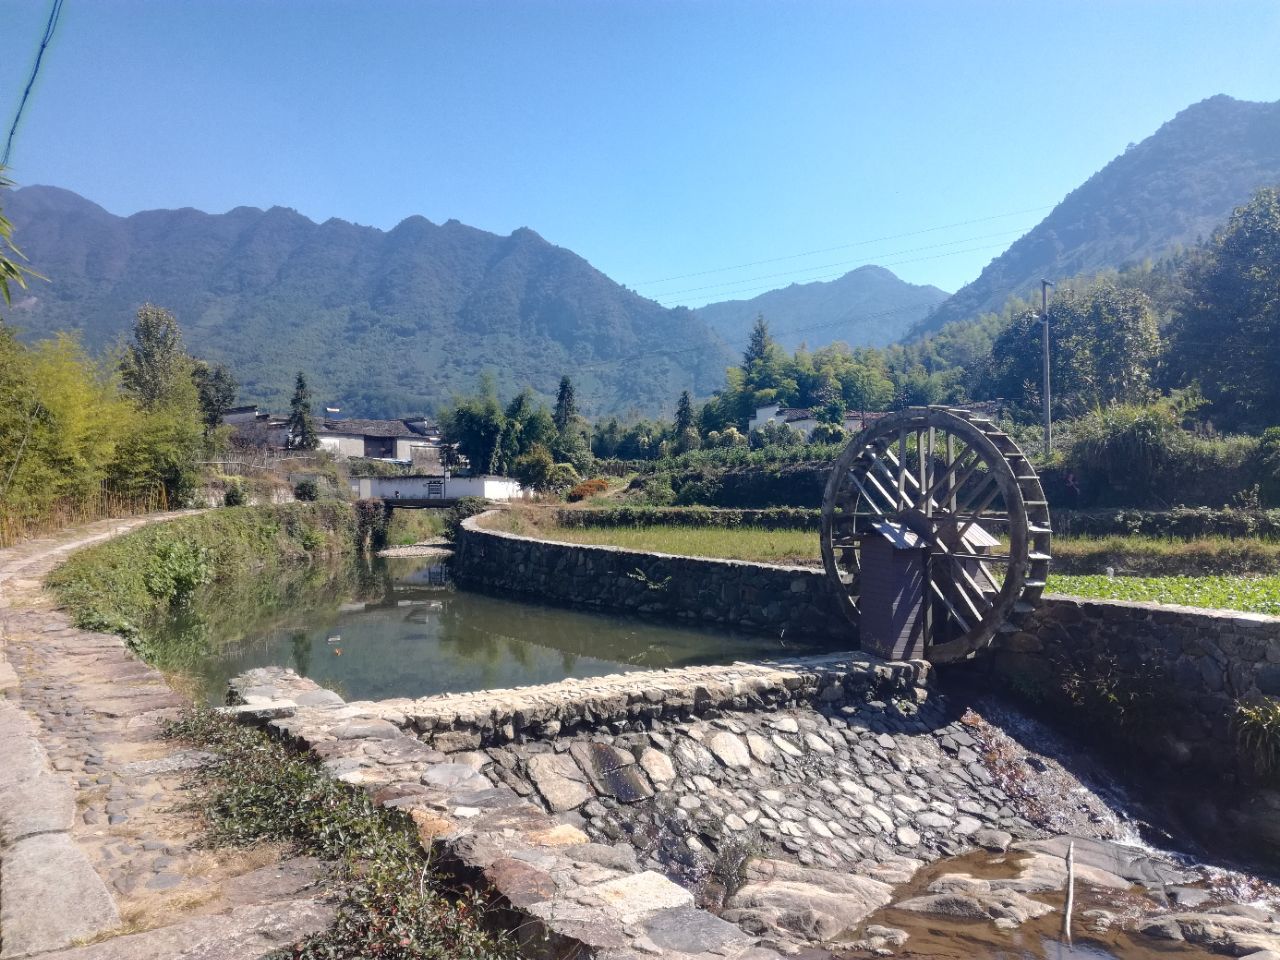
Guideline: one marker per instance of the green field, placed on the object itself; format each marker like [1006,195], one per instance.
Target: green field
[1252,594]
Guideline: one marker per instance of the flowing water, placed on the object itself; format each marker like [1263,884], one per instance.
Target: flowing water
[397,628]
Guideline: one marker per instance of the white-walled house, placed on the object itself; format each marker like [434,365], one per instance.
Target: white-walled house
[436,488]
[804,421]
[409,439]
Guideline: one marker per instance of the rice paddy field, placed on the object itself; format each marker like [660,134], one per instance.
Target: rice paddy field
[1218,572]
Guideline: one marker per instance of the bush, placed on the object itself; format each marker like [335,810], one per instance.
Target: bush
[561,477]
[463,509]
[1257,729]
[234,495]
[306,490]
[588,488]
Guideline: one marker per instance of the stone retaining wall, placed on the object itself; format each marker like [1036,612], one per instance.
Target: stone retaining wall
[1187,666]
[1199,662]
[755,597]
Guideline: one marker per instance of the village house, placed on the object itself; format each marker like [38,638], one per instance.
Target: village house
[413,439]
[804,421]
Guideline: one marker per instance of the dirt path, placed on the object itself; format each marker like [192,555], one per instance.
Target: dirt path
[98,859]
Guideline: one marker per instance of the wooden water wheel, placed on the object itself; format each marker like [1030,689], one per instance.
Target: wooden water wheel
[942,482]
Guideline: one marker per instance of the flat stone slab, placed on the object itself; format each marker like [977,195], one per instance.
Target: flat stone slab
[42,804]
[244,933]
[52,896]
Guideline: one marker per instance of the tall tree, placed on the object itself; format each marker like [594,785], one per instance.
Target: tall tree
[154,364]
[758,345]
[217,390]
[1227,332]
[302,426]
[566,405]
[684,413]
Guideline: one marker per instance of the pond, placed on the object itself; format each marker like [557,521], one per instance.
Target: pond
[377,629]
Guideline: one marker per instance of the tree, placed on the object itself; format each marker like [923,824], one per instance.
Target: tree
[759,344]
[684,414]
[154,364]
[302,426]
[533,468]
[1227,330]
[217,391]
[11,271]
[566,406]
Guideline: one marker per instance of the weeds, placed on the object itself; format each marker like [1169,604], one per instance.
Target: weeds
[394,905]
[1257,730]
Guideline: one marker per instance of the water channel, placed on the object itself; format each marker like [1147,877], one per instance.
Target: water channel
[373,630]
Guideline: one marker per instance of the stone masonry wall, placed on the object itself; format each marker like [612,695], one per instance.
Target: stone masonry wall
[1192,664]
[1201,662]
[748,596]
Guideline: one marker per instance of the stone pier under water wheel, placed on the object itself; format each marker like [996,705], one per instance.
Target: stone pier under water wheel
[936,534]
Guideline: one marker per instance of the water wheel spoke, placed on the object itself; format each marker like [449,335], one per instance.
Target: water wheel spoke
[951,607]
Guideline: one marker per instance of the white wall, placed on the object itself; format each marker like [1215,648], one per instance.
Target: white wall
[437,488]
[342,446]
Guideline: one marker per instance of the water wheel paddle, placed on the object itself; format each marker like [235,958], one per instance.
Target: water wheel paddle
[942,481]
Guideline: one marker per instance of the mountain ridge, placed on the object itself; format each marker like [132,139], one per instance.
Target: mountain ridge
[1170,189]
[386,322]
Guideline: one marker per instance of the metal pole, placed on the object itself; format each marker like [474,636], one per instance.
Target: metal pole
[1044,337]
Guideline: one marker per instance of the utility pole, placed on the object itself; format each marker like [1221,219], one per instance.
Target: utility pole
[1044,338]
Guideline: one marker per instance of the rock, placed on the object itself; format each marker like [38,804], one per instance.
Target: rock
[560,781]
[637,896]
[1130,863]
[1041,872]
[658,766]
[453,776]
[761,749]
[1189,897]
[686,930]
[908,837]
[786,725]
[52,896]
[994,840]
[814,912]
[1222,933]
[729,750]
[367,730]
[818,745]
[971,898]
[612,772]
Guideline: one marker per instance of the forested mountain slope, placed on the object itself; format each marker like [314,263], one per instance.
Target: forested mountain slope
[868,306]
[384,323]
[1173,188]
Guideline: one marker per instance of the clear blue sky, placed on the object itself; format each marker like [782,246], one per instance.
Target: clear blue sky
[656,139]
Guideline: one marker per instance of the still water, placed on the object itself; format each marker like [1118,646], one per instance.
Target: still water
[398,628]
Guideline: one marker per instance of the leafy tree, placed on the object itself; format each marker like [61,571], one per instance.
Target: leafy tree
[606,438]
[533,468]
[11,271]
[154,364]
[216,389]
[475,425]
[1227,331]
[302,426]
[566,407]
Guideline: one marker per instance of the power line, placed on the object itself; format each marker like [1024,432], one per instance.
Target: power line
[848,246]
[55,14]
[844,263]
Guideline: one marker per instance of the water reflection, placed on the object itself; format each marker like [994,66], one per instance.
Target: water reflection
[396,628]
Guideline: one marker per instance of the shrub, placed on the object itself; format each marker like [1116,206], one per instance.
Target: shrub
[561,477]
[464,508]
[1257,729]
[175,569]
[373,523]
[234,495]
[306,490]
[588,488]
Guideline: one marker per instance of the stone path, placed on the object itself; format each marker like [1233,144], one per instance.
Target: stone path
[93,843]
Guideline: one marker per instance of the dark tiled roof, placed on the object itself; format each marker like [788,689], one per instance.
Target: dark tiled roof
[378,428]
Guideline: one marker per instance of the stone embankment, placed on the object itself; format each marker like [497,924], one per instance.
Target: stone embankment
[92,849]
[747,811]
[1201,662]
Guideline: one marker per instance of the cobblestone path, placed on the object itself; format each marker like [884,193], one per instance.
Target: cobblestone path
[98,860]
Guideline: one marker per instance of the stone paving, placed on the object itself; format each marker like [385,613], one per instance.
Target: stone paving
[95,846]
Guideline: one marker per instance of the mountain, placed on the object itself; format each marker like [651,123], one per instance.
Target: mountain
[1173,188]
[385,323]
[869,306]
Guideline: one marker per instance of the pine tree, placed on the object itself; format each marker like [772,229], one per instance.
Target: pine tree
[566,405]
[154,363]
[684,413]
[302,428]
[758,346]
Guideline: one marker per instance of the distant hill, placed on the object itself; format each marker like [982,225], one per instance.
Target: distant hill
[384,323]
[869,306]
[1173,188]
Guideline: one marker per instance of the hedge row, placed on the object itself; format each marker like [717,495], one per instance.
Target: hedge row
[1183,523]
[775,518]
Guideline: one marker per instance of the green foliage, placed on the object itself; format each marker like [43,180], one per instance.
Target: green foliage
[780,518]
[121,585]
[1256,725]
[216,389]
[1250,594]
[306,490]
[12,272]
[1111,689]
[465,507]
[373,523]
[393,903]
[302,425]
[154,366]
[566,405]
[561,477]
[533,469]
[1228,325]
[234,495]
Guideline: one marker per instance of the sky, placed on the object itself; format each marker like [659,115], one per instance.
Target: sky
[693,151]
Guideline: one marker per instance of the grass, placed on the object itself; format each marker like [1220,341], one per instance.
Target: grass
[414,526]
[393,903]
[1250,594]
[1159,556]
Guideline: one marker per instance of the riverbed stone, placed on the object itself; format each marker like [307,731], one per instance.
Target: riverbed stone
[729,750]
[560,780]
[52,896]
